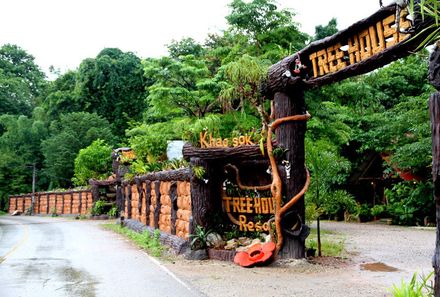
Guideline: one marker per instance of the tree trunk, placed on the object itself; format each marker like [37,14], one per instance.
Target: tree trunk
[205,192]
[434,106]
[290,136]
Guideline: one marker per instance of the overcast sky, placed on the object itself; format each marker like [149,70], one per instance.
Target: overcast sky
[63,33]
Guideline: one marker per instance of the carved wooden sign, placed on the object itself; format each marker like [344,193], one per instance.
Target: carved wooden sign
[363,47]
[207,141]
[247,208]
[369,40]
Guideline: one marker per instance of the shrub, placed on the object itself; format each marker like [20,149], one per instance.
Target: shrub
[93,161]
[410,203]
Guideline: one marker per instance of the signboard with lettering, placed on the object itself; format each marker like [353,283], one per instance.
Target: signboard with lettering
[366,45]
[249,209]
[363,44]
[208,141]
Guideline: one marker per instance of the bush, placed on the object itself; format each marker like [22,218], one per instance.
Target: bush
[98,208]
[410,203]
[94,161]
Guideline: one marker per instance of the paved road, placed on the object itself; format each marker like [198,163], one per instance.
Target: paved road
[62,257]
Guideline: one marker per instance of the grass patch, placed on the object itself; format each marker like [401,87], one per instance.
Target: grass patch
[332,244]
[143,240]
[2,213]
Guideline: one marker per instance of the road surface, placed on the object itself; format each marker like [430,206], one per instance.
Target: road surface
[63,257]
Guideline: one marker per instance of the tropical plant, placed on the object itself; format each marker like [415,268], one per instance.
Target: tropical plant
[98,208]
[414,288]
[199,239]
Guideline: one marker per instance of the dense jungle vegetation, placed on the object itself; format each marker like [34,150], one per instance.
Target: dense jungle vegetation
[364,135]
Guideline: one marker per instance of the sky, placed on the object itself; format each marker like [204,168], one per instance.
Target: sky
[62,33]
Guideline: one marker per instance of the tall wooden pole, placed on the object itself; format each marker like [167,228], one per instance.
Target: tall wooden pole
[434,110]
[434,106]
[290,136]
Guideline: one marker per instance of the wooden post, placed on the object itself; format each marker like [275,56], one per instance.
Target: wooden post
[47,204]
[128,201]
[95,192]
[63,200]
[147,201]
[434,110]
[434,106]
[80,203]
[158,204]
[173,197]
[290,136]
[203,193]
[140,197]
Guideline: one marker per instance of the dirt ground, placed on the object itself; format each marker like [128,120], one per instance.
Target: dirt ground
[401,251]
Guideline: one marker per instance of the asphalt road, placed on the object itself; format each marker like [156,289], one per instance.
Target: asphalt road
[63,257]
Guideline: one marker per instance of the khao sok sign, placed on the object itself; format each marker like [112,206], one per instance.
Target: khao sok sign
[208,141]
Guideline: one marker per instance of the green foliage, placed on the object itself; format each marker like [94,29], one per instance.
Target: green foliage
[328,170]
[257,16]
[98,208]
[113,212]
[20,140]
[415,287]
[184,47]
[199,171]
[143,240]
[328,30]
[68,136]
[199,240]
[332,246]
[409,203]
[243,78]
[94,162]
[21,81]
[377,210]
[61,96]
[150,141]
[181,87]
[112,85]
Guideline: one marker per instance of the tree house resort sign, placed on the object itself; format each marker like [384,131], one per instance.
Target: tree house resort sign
[366,45]
[360,46]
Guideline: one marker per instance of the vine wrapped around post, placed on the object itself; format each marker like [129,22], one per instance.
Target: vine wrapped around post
[276,187]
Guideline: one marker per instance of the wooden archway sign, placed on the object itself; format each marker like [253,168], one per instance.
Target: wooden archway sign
[365,46]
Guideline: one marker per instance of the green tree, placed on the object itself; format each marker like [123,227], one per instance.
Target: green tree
[328,170]
[113,86]
[68,136]
[271,31]
[61,96]
[244,77]
[20,141]
[93,161]
[257,17]
[184,47]
[21,81]
[181,87]
[327,30]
